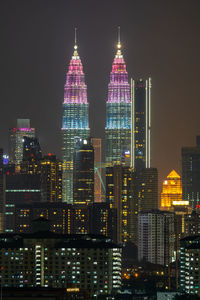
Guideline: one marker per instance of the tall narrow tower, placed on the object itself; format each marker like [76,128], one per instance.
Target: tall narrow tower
[118,111]
[141,123]
[75,119]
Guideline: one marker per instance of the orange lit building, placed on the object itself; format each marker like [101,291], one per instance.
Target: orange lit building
[172,191]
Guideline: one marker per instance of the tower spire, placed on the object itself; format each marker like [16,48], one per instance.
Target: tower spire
[75,43]
[75,38]
[119,43]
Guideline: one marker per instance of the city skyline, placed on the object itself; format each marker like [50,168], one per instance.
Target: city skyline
[158,41]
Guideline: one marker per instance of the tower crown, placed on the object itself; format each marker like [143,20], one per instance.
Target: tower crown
[118,88]
[75,90]
[173,174]
[75,54]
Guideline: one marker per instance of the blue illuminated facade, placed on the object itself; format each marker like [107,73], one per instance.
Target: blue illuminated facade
[118,113]
[75,120]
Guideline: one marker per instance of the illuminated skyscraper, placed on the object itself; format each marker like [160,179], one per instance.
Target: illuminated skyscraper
[120,194]
[191,174]
[156,236]
[32,156]
[141,123]
[83,174]
[2,193]
[147,189]
[171,191]
[16,140]
[75,119]
[118,112]
[51,179]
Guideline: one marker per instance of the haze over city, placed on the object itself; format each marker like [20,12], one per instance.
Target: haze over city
[159,39]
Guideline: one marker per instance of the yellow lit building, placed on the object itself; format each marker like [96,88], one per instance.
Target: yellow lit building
[171,191]
[51,179]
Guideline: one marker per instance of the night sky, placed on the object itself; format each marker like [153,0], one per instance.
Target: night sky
[160,39]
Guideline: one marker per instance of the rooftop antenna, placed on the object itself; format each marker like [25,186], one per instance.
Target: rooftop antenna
[75,38]
[119,42]
[118,34]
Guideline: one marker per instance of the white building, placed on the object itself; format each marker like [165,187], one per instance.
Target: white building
[156,236]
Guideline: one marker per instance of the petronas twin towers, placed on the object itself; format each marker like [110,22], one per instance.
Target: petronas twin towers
[75,115]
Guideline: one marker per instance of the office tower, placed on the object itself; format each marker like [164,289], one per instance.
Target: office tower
[2,192]
[171,191]
[75,119]
[81,216]
[32,156]
[95,218]
[140,123]
[46,259]
[171,200]
[118,112]
[97,145]
[51,179]
[147,189]
[120,195]
[16,140]
[103,220]
[20,189]
[191,174]
[156,237]
[83,173]
[190,265]
[59,215]
[192,224]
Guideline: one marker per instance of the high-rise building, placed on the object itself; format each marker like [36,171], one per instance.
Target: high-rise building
[51,179]
[192,224]
[191,174]
[83,173]
[118,112]
[80,219]
[171,200]
[20,189]
[156,237]
[171,191]
[190,265]
[97,144]
[75,119]
[95,218]
[17,139]
[103,220]
[147,189]
[120,195]
[140,123]
[32,156]
[2,193]
[59,214]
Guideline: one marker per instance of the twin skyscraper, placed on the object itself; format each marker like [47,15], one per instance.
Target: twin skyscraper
[128,118]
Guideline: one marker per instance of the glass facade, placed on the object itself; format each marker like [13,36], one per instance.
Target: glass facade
[141,123]
[75,120]
[17,140]
[118,112]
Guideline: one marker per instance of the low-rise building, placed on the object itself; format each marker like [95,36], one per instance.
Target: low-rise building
[46,259]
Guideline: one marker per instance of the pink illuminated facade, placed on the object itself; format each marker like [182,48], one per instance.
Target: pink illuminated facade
[118,112]
[74,121]
[119,88]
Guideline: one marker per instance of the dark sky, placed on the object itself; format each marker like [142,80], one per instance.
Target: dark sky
[160,39]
